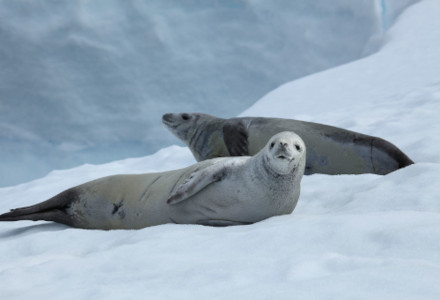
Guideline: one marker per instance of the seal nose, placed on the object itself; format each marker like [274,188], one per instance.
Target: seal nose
[167,118]
[284,145]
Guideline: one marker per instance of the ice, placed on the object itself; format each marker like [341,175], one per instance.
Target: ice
[87,81]
[350,236]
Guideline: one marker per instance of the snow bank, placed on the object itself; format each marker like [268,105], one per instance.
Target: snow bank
[350,237]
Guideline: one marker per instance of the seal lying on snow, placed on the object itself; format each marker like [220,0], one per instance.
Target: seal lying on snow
[330,150]
[217,192]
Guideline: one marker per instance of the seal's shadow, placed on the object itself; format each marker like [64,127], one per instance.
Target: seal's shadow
[12,233]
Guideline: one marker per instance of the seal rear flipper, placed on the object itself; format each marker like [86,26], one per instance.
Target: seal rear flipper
[51,215]
[49,210]
[197,181]
[394,155]
[235,137]
[221,223]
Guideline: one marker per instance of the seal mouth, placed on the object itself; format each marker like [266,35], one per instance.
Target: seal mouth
[284,154]
[286,158]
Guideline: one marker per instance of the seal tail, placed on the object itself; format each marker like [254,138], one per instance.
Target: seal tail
[53,209]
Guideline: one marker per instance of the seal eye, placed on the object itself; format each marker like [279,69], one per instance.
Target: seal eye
[271,145]
[298,147]
[185,117]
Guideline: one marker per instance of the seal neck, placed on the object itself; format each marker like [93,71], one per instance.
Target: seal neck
[206,141]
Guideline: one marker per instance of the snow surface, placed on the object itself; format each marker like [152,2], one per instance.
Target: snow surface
[87,81]
[350,237]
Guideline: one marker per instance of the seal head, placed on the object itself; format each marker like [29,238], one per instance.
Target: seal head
[182,125]
[284,153]
[200,132]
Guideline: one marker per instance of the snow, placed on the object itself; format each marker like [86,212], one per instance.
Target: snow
[87,81]
[350,236]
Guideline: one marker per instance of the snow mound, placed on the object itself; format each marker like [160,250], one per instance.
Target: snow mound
[350,237]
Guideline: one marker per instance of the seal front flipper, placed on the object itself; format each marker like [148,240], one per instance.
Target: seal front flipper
[221,223]
[235,137]
[198,180]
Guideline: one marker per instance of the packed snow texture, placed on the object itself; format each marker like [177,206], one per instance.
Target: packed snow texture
[350,237]
[87,81]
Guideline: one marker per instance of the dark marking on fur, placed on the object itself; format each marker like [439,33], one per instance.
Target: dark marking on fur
[235,137]
[219,176]
[149,186]
[195,137]
[207,208]
[323,161]
[116,207]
